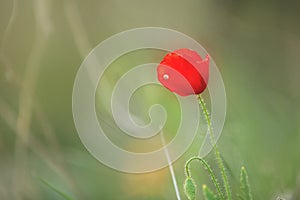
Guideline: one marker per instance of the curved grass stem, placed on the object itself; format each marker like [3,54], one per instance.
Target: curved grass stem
[210,172]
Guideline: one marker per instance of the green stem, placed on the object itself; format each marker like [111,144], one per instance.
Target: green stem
[206,165]
[217,153]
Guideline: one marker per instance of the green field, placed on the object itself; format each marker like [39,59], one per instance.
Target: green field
[255,44]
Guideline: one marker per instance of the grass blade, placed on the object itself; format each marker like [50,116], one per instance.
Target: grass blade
[208,194]
[56,190]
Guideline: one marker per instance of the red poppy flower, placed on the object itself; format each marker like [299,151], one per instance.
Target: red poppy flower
[184,72]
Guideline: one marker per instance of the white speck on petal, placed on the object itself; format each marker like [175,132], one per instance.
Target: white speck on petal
[166,76]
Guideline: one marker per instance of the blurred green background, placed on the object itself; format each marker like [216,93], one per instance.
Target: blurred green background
[256,45]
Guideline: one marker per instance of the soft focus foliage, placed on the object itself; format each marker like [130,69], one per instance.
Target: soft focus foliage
[254,43]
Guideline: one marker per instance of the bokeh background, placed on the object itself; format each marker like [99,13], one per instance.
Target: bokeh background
[256,45]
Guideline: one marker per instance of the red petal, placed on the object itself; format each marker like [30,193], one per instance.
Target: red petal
[187,72]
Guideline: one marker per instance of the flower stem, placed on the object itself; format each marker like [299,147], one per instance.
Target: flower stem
[217,153]
[209,169]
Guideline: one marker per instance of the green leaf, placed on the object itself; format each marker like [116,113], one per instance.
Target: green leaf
[245,186]
[190,188]
[208,194]
[56,190]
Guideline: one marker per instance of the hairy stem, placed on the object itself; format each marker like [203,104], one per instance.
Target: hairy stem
[217,153]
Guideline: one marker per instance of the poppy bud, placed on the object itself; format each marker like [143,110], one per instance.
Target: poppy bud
[190,188]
